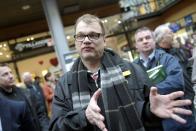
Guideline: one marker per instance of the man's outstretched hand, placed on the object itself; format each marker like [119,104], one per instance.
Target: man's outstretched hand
[166,106]
[93,112]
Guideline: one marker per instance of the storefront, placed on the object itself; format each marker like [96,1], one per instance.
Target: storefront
[36,55]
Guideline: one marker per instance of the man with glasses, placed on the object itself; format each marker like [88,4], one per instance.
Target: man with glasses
[104,92]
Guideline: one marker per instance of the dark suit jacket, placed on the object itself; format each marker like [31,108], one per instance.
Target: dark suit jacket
[15,116]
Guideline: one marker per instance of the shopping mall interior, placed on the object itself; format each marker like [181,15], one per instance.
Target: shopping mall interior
[27,43]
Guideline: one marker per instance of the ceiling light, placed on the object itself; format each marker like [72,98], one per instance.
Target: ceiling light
[68,37]
[28,39]
[32,38]
[4,45]
[1,46]
[26,7]
[44,72]
[5,49]
[119,22]
[1,53]
[8,56]
[105,20]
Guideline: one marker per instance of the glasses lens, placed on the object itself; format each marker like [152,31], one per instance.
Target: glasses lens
[94,36]
[79,37]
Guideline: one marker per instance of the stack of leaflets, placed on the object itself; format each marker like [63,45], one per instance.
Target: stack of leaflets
[157,74]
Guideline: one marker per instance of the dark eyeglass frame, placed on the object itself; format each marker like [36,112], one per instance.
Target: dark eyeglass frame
[88,35]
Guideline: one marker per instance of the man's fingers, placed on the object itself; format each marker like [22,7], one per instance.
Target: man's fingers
[181,103]
[175,95]
[178,118]
[96,114]
[101,125]
[104,129]
[95,108]
[153,91]
[97,94]
[182,111]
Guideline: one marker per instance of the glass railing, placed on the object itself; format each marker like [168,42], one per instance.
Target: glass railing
[142,7]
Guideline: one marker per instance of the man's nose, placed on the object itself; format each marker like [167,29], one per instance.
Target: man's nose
[86,40]
[11,76]
[145,41]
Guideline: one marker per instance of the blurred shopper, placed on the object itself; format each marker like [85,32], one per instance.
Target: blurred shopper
[15,116]
[51,80]
[36,90]
[49,89]
[102,92]
[188,47]
[10,91]
[37,80]
[194,83]
[164,39]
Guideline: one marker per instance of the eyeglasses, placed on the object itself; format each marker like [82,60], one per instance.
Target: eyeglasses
[92,36]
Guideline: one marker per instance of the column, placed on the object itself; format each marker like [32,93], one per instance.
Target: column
[57,30]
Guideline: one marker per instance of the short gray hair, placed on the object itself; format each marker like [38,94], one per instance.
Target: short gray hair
[26,75]
[88,19]
[159,32]
[144,28]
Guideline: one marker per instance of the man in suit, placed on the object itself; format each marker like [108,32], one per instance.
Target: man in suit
[15,116]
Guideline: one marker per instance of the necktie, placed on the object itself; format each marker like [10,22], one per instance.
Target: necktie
[149,64]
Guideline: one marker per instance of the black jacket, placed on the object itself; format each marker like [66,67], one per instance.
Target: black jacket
[15,116]
[65,118]
[38,114]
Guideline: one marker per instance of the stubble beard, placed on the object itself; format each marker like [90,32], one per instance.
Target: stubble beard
[93,57]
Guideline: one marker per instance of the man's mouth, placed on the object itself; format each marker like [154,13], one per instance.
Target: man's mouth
[87,49]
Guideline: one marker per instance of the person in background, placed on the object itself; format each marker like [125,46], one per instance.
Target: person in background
[194,83]
[48,89]
[104,92]
[150,57]
[165,41]
[193,77]
[188,46]
[51,80]
[164,36]
[15,116]
[9,90]
[37,80]
[37,91]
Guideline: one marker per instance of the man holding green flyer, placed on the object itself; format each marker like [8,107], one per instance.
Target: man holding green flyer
[164,72]
[150,57]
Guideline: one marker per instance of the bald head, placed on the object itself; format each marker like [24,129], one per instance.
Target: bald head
[27,77]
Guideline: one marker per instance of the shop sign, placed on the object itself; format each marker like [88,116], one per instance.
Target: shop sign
[21,47]
[69,58]
[188,20]
[175,27]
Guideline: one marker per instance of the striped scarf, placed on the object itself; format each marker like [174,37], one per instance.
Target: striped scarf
[120,111]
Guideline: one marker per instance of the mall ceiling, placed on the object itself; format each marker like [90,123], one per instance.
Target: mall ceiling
[25,17]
